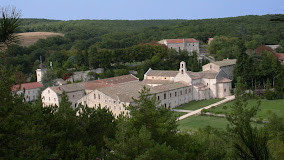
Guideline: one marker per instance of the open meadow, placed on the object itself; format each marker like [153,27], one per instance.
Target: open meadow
[29,38]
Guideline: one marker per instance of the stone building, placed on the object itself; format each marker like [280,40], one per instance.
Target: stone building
[116,97]
[75,91]
[31,91]
[226,65]
[189,44]
[171,88]
[52,95]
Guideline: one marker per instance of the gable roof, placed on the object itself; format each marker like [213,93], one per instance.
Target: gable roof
[225,62]
[162,73]
[125,92]
[92,85]
[68,88]
[209,74]
[26,86]
[187,40]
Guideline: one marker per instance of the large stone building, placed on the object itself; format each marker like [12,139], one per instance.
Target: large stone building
[188,44]
[31,91]
[171,88]
[75,91]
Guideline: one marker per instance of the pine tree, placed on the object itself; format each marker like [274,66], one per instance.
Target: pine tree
[248,142]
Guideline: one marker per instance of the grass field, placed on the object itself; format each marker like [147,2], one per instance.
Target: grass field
[192,123]
[195,122]
[178,114]
[29,38]
[266,108]
[194,105]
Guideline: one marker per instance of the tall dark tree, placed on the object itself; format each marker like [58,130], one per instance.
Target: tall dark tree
[248,142]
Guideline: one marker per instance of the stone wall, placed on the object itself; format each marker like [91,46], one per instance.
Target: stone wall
[31,94]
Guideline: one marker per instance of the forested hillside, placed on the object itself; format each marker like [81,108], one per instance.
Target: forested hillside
[112,44]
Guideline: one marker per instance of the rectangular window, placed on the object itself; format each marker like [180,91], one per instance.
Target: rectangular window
[99,96]
[180,92]
[170,94]
[225,90]
[185,91]
[94,96]
[175,94]
[158,97]
[165,96]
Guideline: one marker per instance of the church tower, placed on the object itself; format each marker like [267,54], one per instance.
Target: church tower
[182,68]
[39,73]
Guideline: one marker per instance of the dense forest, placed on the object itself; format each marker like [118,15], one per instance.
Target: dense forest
[118,45]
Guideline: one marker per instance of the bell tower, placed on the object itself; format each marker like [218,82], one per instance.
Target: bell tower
[40,72]
[182,68]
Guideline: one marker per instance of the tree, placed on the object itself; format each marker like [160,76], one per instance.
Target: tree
[148,130]
[48,79]
[248,142]
[9,22]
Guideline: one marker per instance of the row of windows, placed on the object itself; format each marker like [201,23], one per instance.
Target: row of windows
[29,98]
[110,101]
[43,98]
[32,91]
[114,107]
[99,96]
[165,95]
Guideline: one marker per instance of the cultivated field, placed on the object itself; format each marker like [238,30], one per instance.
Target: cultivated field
[29,38]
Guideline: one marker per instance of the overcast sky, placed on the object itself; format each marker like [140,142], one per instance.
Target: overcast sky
[143,9]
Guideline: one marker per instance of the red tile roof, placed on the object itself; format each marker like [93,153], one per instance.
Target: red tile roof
[280,56]
[188,40]
[26,86]
[92,85]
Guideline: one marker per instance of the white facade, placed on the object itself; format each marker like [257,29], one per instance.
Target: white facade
[50,97]
[40,73]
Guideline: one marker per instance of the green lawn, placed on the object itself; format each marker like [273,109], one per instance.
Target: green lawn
[266,107]
[192,123]
[194,105]
[195,122]
[178,114]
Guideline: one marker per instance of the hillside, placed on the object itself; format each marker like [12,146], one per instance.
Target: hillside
[29,38]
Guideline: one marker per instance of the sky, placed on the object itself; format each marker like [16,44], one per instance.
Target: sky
[143,9]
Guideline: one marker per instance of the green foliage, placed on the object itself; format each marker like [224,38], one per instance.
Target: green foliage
[48,79]
[9,22]
[248,142]
[148,130]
